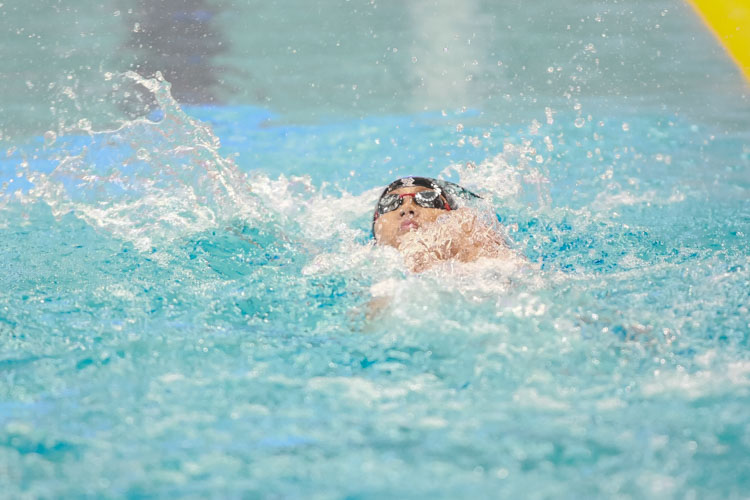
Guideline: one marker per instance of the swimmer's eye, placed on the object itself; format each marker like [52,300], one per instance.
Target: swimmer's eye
[425,199]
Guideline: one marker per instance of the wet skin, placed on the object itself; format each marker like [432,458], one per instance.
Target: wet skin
[390,227]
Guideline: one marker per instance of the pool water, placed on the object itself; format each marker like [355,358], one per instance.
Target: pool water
[187,267]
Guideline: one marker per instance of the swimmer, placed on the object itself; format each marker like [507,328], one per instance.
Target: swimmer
[426,221]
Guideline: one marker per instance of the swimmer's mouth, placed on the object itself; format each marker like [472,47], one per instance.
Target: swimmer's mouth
[409,225]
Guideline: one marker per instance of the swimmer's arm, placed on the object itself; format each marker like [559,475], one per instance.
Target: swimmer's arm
[376,306]
[379,301]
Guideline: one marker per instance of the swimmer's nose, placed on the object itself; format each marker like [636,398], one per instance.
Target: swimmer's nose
[408,207]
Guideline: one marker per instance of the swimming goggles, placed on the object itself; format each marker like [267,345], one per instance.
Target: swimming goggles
[425,199]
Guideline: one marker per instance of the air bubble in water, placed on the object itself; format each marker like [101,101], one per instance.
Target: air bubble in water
[50,137]
[625,127]
[142,154]
[579,122]
[459,127]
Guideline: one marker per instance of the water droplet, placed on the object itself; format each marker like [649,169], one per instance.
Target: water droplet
[142,154]
[549,114]
[116,13]
[50,137]
[84,124]
[414,59]
[550,69]
[625,127]
[579,122]
[459,127]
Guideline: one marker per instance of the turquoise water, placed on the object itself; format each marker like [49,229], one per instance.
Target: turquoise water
[185,285]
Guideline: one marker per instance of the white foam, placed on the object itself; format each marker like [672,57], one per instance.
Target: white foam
[716,380]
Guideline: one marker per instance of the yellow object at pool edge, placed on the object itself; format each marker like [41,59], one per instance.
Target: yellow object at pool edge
[730,22]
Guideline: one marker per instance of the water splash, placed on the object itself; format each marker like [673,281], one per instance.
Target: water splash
[513,176]
[148,182]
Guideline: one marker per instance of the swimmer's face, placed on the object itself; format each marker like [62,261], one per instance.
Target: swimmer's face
[391,226]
